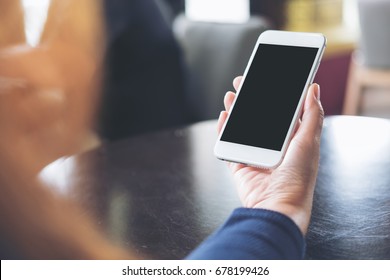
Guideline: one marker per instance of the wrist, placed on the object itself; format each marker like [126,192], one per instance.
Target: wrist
[299,214]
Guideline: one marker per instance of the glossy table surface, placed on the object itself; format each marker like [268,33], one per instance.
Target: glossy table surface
[160,194]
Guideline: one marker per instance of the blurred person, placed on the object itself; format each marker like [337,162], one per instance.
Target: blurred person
[45,114]
[142,55]
[47,97]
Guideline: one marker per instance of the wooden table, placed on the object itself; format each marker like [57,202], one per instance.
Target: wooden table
[161,194]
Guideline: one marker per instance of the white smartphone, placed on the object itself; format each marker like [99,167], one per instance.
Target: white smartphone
[269,101]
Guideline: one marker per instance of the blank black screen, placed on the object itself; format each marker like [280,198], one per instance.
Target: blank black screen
[269,96]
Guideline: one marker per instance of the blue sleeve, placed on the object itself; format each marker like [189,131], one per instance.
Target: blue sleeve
[253,234]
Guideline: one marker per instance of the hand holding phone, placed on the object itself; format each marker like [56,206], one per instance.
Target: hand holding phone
[288,188]
[270,98]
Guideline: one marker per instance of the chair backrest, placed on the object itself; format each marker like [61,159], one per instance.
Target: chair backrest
[375,38]
[215,53]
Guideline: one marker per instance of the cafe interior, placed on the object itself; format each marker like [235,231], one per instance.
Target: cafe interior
[145,171]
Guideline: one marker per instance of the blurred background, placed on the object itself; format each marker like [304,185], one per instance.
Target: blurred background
[216,38]
[169,63]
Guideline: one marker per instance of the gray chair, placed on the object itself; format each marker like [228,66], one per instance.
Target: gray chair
[374,18]
[370,65]
[215,53]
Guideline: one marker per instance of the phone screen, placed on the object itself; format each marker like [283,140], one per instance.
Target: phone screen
[269,96]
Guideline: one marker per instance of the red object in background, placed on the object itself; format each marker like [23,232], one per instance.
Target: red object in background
[332,77]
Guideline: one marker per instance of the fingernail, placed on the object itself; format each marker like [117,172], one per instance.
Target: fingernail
[317,90]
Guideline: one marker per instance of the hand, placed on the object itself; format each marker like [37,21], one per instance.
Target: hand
[46,93]
[45,101]
[289,188]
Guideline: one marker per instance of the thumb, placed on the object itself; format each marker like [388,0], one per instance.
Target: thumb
[313,116]
[304,146]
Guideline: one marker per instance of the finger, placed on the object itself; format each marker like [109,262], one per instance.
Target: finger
[237,82]
[313,115]
[303,152]
[228,100]
[221,120]
[296,128]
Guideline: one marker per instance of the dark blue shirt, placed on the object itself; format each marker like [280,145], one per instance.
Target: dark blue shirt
[145,73]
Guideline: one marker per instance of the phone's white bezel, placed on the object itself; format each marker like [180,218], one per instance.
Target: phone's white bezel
[261,157]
